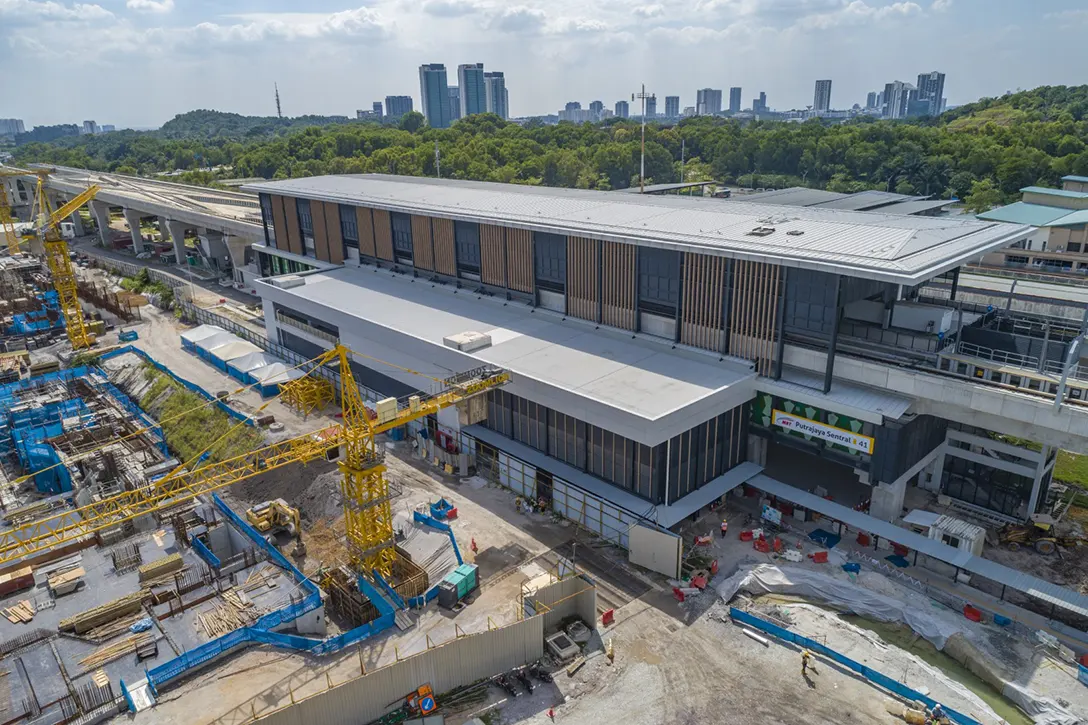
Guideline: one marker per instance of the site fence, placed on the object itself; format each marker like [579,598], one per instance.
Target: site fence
[466,659]
[877,678]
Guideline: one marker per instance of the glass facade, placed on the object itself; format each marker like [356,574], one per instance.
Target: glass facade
[272,266]
[402,237]
[658,281]
[306,225]
[697,456]
[551,261]
[467,241]
[266,220]
[985,486]
[349,227]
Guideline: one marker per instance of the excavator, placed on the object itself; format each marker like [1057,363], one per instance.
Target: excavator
[275,516]
[1041,534]
[364,490]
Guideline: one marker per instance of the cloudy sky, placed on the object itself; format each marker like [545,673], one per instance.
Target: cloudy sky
[140,62]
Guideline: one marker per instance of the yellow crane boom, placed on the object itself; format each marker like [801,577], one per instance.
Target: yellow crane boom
[366,494]
[60,265]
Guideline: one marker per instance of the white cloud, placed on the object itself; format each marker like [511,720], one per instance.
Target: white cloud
[451,8]
[649,11]
[519,19]
[859,12]
[563,26]
[33,10]
[150,6]
[940,6]
[361,23]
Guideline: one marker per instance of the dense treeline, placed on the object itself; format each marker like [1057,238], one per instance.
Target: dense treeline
[986,151]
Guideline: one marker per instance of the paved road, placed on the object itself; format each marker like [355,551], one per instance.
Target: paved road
[1001,285]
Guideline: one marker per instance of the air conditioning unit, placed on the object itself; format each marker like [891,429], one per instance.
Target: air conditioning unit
[288,281]
[467,341]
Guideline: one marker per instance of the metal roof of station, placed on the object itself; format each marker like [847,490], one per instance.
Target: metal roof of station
[894,248]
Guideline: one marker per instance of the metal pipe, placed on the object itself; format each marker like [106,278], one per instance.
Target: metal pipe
[1070,360]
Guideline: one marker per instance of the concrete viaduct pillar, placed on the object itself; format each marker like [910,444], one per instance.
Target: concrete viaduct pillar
[177,234]
[100,210]
[133,218]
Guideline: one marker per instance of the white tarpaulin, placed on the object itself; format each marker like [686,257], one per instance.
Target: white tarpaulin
[767,579]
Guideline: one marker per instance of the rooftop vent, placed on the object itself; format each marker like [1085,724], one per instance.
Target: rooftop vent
[288,281]
[794,233]
[467,341]
[761,231]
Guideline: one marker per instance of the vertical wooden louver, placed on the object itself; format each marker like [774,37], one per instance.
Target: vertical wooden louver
[321,234]
[445,255]
[618,285]
[754,312]
[492,255]
[365,221]
[279,223]
[383,235]
[702,308]
[422,246]
[335,232]
[519,260]
[583,266]
[294,233]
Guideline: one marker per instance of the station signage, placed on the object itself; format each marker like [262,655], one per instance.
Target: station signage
[809,427]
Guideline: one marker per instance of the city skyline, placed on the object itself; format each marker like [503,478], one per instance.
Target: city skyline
[190,56]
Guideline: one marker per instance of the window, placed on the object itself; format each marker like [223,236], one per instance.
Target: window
[266,220]
[1014,259]
[306,225]
[402,237]
[951,540]
[1073,247]
[467,240]
[658,281]
[551,261]
[349,226]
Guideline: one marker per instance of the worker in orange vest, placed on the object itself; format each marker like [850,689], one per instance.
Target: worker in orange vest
[724,527]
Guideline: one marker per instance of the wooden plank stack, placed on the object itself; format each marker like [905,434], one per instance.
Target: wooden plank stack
[237,611]
[88,620]
[120,648]
[23,612]
[160,567]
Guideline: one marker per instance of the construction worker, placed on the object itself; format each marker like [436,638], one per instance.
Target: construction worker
[724,527]
[805,657]
[937,714]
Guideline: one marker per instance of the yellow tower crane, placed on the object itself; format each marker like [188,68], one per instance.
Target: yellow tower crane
[60,264]
[366,494]
[7,221]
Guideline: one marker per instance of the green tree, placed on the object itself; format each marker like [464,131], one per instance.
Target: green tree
[983,197]
[412,121]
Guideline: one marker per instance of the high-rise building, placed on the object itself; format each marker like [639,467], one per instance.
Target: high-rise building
[821,103]
[898,97]
[734,99]
[759,105]
[455,102]
[651,107]
[688,112]
[595,108]
[708,101]
[870,100]
[623,109]
[435,93]
[672,106]
[470,77]
[11,126]
[107,128]
[376,108]
[931,90]
[397,106]
[496,96]
[89,127]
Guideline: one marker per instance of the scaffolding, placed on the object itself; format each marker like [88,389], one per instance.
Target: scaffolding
[307,395]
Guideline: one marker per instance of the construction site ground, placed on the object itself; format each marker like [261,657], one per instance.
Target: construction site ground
[681,663]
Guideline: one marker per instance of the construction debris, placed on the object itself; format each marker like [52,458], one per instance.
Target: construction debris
[238,611]
[160,567]
[88,620]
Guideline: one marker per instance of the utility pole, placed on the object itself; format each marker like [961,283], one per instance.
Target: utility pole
[682,149]
[437,160]
[642,164]
[279,113]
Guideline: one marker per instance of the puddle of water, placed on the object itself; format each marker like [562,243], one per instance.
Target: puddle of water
[904,638]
